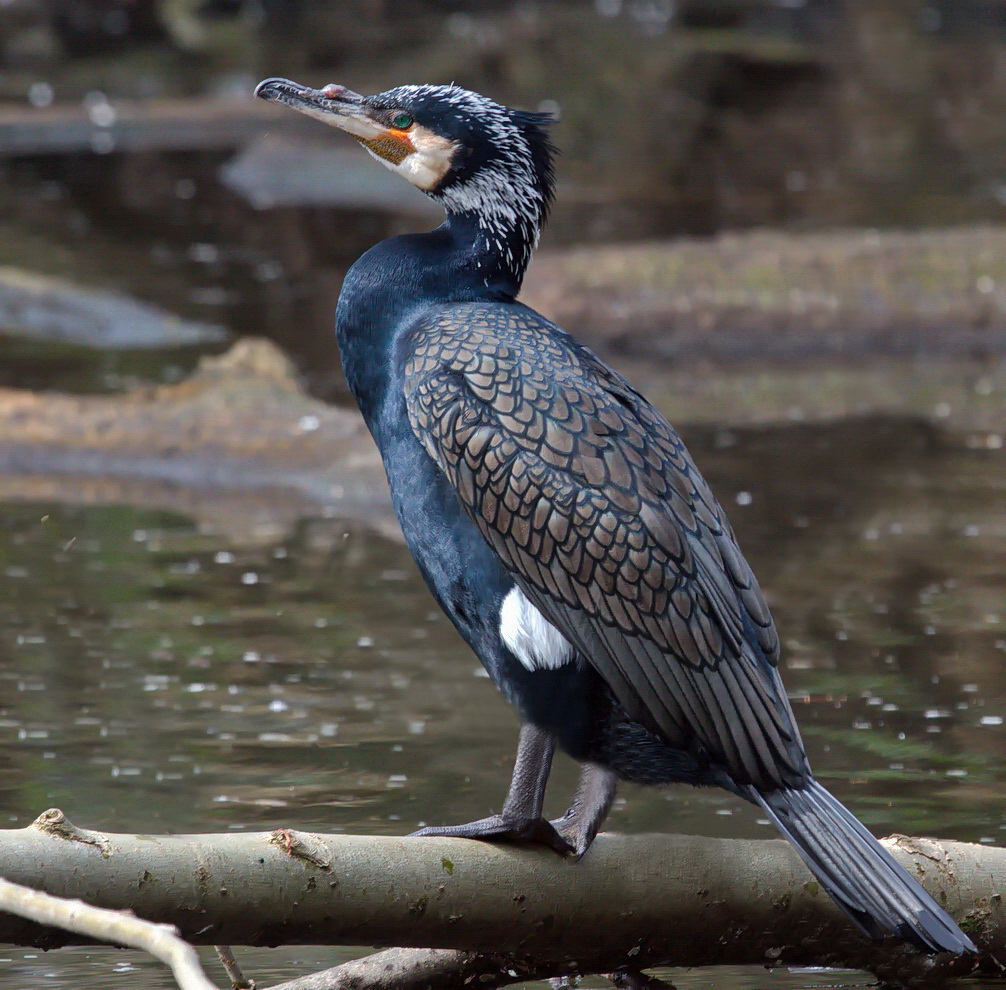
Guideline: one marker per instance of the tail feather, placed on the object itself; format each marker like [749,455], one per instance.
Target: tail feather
[858,872]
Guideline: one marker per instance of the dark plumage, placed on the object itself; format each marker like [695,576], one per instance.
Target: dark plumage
[559,520]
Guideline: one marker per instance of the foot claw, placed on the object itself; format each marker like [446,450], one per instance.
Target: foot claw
[568,830]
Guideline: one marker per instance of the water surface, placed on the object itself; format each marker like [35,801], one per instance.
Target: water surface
[154,677]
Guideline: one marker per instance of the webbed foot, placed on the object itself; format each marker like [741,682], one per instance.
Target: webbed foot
[497,828]
[570,829]
[594,795]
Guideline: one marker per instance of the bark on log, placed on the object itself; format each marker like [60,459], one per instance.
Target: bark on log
[635,901]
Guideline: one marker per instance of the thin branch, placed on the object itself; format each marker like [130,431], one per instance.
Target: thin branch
[238,979]
[117,927]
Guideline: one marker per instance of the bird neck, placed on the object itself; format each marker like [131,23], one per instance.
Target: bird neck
[495,247]
[396,280]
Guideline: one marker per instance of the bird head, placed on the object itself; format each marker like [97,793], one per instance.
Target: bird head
[471,154]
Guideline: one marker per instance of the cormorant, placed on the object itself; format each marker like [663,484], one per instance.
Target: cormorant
[559,520]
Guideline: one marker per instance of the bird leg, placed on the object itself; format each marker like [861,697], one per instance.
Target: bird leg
[520,820]
[590,807]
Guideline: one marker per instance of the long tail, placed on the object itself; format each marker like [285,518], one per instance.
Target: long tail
[858,872]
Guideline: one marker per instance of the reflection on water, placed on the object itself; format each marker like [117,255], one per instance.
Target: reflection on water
[154,678]
[76,368]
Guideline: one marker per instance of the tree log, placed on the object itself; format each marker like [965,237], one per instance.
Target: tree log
[631,901]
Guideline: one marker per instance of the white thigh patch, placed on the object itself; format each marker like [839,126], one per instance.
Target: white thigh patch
[530,637]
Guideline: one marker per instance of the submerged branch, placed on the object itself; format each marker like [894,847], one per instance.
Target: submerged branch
[422,969]
[450,969]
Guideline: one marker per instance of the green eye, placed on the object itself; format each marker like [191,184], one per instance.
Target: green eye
[402,121]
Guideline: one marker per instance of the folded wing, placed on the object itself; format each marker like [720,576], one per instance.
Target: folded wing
[592,502]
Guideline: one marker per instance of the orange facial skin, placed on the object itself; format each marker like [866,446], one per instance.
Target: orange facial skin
[394,145]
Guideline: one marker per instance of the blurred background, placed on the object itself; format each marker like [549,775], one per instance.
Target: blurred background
[783,219]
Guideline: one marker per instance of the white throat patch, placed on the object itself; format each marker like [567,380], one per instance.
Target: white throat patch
[427,165]
[530,637]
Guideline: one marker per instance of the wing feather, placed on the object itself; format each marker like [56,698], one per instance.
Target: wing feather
[592,502]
